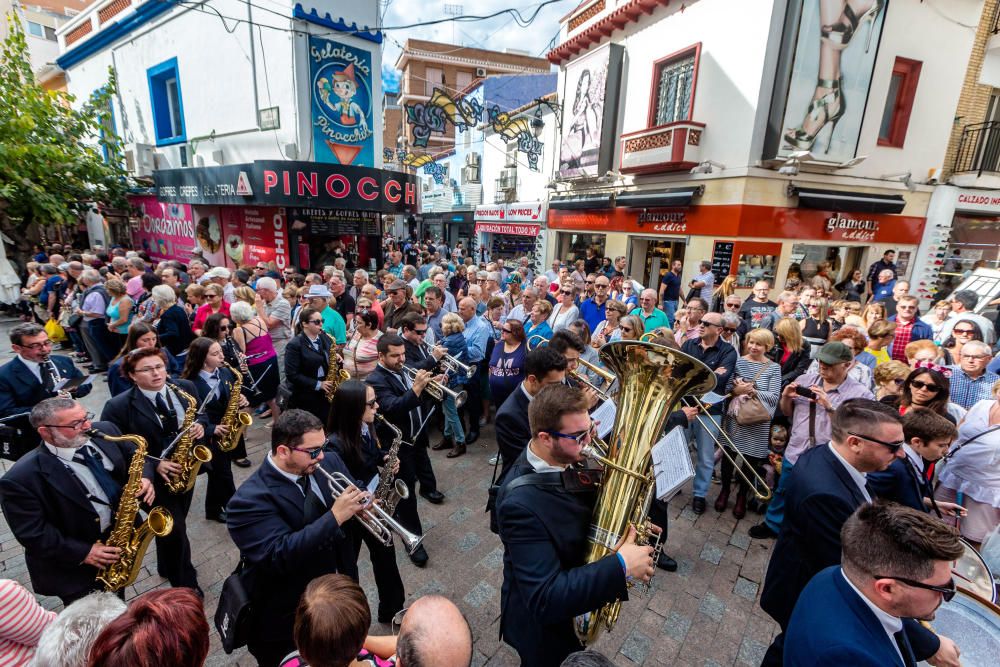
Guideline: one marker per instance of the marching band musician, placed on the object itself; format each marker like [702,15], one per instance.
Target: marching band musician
[570,346]
[414,329]
[154,410]
[402,403]
[28,378]
[288,528]
[544,515]
[352,437]
[218,327]
[60,499]
[307,361]
[206,369]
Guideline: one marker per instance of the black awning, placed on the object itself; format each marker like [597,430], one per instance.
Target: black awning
[841,200]
[669,198]
[571,203]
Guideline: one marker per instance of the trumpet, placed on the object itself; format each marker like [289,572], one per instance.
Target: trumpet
[439,390]
[453,365]
[376,520]
[753,478]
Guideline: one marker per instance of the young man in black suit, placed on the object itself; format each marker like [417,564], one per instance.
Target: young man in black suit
[155,410]
[287,526]
[27,379]
[307,362]
[826,485]
[413,329]
[544,530]
[401,401]
[60,499]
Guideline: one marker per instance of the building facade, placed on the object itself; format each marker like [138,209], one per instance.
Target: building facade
[687,137]
[40,20]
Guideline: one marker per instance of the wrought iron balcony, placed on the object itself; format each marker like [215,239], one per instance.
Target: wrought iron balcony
[979,150]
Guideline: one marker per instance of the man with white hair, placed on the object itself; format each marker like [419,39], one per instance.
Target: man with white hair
[67,640]
[135,269]
[441,282]
[970,381]
[360,279]
[220,275]
[274,309]
[345,302]
[197,270]
[522,311]
[788,305]
[541,284]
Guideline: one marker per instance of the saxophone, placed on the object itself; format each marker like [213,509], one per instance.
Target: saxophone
[335,374]
[186,454]
[132,540]
[390,491]
[237,421]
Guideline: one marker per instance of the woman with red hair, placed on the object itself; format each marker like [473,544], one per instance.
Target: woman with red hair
[162,627]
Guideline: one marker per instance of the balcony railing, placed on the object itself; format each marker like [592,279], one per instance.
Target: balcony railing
[995,27]
[979,149]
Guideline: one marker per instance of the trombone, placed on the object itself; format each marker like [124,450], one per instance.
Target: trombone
[439,390]
[453,365]
[736,458]
[577,375]
[376,520]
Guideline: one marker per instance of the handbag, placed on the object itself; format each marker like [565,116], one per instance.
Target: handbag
[55,331]
[751,410]
[232,616]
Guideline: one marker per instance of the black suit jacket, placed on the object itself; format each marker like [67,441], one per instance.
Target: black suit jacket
[369,459]
[175,330]
[20,391]
[512,428]
[212,412]
[546,582]
[304,366]
[417,358]
[901,483]
[284,553]
[133,413]
[47,509]
[398,405]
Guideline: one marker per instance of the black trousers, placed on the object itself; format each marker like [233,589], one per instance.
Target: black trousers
[424,470]
[406,509]
[390,585]
[270,654]
[173,552]
[658,516]
[221,486]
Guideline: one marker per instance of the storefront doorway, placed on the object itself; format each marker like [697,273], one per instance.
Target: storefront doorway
[806,259]
[973,244]
[650,258]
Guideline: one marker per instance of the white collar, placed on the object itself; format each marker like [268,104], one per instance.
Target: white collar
[891,624]
[208,376]
[65,454]
[530,397]
[856,475]
[32,365]
[294,479]
[916,459]
[151,395]
[536,462]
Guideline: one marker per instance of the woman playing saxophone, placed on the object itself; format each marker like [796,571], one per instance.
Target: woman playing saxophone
[352,436]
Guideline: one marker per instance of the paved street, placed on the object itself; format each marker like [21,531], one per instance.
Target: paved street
[703,615]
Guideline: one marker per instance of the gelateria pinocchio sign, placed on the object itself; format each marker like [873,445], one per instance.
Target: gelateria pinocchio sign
[747,221]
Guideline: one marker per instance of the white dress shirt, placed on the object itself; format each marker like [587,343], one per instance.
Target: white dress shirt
[539,465]
[95,494]
[890,624]
[294,479]
[172,400]
[858,477]
[33,366]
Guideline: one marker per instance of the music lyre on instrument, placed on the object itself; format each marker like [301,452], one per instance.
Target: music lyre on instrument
[437,389]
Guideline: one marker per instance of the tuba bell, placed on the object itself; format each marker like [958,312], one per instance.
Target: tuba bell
[653,379]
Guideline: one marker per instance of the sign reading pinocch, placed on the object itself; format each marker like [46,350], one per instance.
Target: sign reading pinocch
[341,93]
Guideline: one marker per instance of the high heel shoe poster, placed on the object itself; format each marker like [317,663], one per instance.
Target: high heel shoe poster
[835,49]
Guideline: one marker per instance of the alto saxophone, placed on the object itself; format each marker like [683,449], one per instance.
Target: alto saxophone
[335,374]
[390,491]
[186,454]
[237,421]
[131,539]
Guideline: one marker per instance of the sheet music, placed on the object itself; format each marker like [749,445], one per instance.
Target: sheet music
[373,484]
[74,383]
[711,398]
[605,414]
[672,463]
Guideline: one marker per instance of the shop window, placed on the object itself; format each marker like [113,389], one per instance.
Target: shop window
[673,87]
[573,246]
[752,268]
[168,106]
[899,102]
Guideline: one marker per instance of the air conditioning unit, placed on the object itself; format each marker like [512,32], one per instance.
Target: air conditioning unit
[472,160]
[140,159]
[481,72]
[508,179]
[470,174]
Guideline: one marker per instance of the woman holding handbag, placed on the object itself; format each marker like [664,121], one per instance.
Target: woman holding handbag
[755,388]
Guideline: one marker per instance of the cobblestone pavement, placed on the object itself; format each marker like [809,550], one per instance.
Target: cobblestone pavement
[703,615]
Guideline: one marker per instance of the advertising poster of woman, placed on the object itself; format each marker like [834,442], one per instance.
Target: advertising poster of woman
[591,94]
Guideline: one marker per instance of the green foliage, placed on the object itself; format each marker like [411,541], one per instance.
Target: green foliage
[52,163]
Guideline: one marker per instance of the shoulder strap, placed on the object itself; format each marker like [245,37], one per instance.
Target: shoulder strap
[536,479]
[970,440]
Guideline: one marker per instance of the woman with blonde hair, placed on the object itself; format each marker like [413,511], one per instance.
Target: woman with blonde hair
[245,294]
[680,323]
[873,312]
[452,327]
[880,336]
[889,378]
[936,317]
[631,327]
[726,288]
[922,350]
[791,351]
[119,311]
[252,337]
[537,323]
[608,331]
[815,327]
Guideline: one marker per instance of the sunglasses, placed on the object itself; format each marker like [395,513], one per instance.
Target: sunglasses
[627,329]
[567,293]
[891,446]
[313,453]
[590,282]
[420,332]
[224,328]
[730,329]
[947,592]
[314,322]
[506,330]
[962,332]
[926,386]
[372,403]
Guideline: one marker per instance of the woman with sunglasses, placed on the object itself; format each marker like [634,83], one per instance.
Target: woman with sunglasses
[361,353]
[972,476]
[307,361]
[608,330]
[538,321]
[928,386]
[140,335]
[889,379]
[214,303]
[507,361]
[963,332]
[631,327]
[815,327]
[454,341]
[626,294]
[218,327]
[353,437]
[565,311]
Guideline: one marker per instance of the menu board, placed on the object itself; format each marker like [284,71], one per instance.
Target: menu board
[722,260]
[336,222]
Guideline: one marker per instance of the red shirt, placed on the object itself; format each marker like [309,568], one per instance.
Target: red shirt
[902,338]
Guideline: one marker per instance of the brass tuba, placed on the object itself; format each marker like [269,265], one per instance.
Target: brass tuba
[131,539]
[238,422]
[187,454]
[335,374]
[653,379]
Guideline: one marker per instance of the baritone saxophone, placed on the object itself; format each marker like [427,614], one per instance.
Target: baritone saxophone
[131,539]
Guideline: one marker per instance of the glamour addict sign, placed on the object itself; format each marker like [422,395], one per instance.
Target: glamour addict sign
[285,183]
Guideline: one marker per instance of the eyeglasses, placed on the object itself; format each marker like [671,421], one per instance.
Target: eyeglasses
[732,305]
[926,386]
[710,324]
[698,308]
[580,437]
[151,369]
[320,321]
[730,329]
[892,446]
[963,332]
[947,592]
[73,425]
[506,330]
[566,293]
[38,346]
[313,453]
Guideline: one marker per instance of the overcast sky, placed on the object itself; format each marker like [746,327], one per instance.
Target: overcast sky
[497,34]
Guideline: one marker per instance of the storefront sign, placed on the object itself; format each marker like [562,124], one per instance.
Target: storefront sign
[852,229]
[664,222]
[341,95]
[979,201]
[284,183]
[334,222]
[256,235]
[533,211]
[165,231]
[507,228]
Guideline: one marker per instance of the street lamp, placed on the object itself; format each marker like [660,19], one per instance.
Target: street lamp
[538,123]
